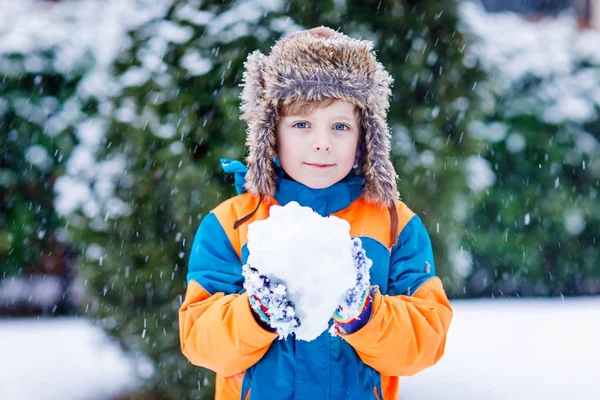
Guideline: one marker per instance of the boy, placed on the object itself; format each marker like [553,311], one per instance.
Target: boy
[316,112]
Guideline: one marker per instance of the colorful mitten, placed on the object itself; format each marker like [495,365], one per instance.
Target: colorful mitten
[269,302]
[355,310]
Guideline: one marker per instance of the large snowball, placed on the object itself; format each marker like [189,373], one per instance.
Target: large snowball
[312,255]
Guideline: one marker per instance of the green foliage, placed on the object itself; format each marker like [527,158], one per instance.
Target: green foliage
[172,128]
[32,156]
[535,231]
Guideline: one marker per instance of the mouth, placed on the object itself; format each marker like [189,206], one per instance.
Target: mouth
[319,165]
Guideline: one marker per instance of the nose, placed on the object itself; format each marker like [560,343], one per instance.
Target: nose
[322,141]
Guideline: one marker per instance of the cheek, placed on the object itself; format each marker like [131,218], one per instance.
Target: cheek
[349,159]
[287,148]
[350,151]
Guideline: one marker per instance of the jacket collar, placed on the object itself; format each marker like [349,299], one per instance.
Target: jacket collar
[323,201]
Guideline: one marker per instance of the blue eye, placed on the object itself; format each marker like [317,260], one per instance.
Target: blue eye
[340,127]
[301,125]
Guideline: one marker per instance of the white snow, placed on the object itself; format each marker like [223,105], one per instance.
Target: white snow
[47,359]
[515,142]
[516,53]
[194,63]
[462,262]
[490,132]
[520,349]
[73,30]
[174,32]
[135,76]
[190,12]
[42,291]
[586,143]
[71,194]
[236,21]
[82,39]
[312,255]
[38,156]
[574,222]
[479,173]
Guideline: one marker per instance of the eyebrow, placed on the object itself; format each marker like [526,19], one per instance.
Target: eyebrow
[335,117]
[340,117]
[344,117]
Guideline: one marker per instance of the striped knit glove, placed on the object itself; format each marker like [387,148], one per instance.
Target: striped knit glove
[269,302]
[355,310]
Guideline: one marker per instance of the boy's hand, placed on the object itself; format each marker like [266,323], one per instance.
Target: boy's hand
[270,303]
[355,310]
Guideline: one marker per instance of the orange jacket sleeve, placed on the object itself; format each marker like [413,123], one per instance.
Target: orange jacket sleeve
[405,334]
[217,328]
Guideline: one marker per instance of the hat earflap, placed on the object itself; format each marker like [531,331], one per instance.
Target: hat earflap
[377,168]
[261,144]
[253,85]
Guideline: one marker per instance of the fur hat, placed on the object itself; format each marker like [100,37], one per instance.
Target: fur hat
[315,65]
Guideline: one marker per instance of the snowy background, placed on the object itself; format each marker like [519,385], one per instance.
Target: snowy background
[60,358]
[497,349]
[516,349]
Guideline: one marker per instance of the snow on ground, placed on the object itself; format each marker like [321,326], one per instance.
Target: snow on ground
[59,358]
[516,349]
[497,349]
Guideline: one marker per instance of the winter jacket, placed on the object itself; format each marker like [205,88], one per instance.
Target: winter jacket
[405,334]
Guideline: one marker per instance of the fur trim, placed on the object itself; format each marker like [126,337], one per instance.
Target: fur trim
[313,66]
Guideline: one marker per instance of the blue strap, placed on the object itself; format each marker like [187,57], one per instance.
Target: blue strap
[238,169]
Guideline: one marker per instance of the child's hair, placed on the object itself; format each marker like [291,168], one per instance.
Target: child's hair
[306,107]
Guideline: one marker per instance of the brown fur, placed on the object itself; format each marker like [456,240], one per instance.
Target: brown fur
[313,66]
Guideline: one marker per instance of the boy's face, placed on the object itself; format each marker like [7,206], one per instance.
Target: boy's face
[318,147]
